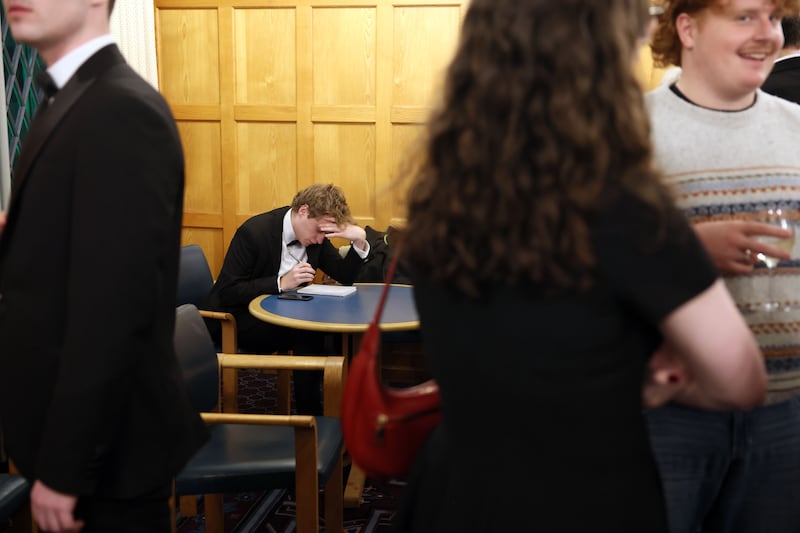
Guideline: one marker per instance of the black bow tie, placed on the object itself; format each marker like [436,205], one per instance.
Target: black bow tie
[294,243]
[47,84]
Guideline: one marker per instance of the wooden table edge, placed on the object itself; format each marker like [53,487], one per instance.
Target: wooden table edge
[257,311]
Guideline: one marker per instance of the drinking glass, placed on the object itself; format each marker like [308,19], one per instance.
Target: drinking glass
[777,216]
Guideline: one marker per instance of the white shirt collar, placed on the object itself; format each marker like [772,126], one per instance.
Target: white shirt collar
[788,56]
[63,69]
[288,229]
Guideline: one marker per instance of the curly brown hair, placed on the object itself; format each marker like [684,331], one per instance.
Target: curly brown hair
[324,199]
[666,45]
[542,117]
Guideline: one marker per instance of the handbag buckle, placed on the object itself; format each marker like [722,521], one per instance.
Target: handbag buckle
[380,424]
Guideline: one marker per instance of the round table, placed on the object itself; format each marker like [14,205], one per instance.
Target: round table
[350,315]
[341,314]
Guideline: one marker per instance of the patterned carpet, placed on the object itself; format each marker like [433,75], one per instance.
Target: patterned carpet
[274,511]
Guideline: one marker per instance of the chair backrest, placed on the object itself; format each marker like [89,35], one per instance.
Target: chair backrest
[13,495]
[194,277]
[197,357]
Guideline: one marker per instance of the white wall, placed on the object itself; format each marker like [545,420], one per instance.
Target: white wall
[133,27]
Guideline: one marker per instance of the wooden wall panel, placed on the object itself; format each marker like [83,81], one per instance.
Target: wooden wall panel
[188,56]
[201,147]
[406,149]
[273,95]
[343,42]
[648,74]
[345,154]
[265,68]
[267,166]
[424,41]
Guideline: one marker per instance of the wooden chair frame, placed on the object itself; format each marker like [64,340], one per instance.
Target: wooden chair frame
[230,390]
[334,370]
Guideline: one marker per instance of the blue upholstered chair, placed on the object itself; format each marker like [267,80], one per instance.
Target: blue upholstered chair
[194,285]
[195,278]
[258,452]
[14,492]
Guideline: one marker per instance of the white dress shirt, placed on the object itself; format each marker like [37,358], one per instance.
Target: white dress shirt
[63,69]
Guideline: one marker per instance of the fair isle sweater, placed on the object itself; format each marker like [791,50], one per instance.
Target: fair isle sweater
[731,165]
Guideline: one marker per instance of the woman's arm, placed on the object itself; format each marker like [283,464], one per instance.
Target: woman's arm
[709,358]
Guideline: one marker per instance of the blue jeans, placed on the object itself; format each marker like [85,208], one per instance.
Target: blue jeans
[729,472]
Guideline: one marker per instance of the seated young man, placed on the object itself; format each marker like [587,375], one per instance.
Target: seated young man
[279,251]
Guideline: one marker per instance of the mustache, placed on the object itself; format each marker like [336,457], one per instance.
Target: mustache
[762,48]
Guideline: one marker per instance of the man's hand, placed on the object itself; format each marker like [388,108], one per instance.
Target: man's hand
[666,377]
[351,232]
[2,221]
[301,273]
[53,510]
[732,245]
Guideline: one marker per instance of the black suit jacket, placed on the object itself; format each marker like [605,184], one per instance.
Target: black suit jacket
[251,266]
[784,80]
[91,396]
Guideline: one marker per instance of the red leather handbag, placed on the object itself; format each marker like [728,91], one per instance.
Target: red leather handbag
[384,427]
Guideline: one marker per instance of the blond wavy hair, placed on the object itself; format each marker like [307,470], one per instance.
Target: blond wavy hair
[324,199]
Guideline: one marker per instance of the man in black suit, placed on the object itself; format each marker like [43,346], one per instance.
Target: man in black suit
[784,80]
[279,251]
[92,404]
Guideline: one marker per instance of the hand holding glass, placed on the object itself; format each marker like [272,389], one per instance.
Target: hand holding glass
[777,217]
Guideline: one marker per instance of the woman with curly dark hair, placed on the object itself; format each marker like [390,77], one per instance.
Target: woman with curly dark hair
[550,266]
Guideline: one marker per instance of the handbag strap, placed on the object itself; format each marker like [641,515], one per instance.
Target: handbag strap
[386,284]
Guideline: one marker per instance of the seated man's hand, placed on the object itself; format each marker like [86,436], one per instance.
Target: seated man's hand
[300,274]
[53,510]
[2,221]
[733,245]
[351,232]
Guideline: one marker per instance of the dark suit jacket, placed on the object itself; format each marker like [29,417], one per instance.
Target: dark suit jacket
[784,80]
[251,266]
[91,397]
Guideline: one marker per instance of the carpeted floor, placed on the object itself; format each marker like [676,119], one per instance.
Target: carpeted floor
[273,511]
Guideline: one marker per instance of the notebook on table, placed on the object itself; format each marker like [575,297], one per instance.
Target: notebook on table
[327,290]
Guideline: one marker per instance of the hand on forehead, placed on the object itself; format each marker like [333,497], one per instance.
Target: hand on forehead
[327,223]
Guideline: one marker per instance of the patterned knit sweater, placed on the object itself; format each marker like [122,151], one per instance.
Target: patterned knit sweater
[732,165]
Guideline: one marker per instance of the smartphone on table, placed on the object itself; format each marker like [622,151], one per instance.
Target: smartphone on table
[294,296]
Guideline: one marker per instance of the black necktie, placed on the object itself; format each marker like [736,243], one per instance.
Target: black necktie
[48,86]
[294,243]
[49,89]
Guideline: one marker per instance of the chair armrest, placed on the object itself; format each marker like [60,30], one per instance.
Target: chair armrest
[228,324]
[299,421]
[334,371]
[305,440]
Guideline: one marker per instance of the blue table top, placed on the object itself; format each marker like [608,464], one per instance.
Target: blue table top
[351,313]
